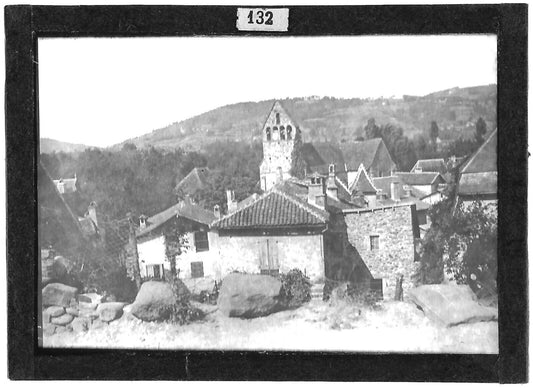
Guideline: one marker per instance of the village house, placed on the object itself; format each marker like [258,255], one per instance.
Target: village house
[430,165]
[478,177]
[195,180]
[423,182]
[181,230]
[68,185]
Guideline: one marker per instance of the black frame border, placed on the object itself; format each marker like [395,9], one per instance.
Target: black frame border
[25,24]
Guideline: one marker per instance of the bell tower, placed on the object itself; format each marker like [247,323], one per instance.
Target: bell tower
[279,132]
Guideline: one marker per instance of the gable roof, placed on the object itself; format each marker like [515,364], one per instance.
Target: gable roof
[430,165]
[480,183]
[420,178]
[363,152]
[363,183]
[274,209]
[181,209]
[193,181]
[277,107]
[485,158]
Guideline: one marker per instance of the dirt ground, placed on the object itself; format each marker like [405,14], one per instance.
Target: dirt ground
[316,326]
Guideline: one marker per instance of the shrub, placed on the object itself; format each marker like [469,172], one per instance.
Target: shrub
[295,288]
[183,312]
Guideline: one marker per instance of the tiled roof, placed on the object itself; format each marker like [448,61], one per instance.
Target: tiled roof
[478,183]
[299,189]
[420,178]
[361,152]
[430,165]
[273,209]
[319,156]
[485,158]
[193,181]
[182,209]
[383,184]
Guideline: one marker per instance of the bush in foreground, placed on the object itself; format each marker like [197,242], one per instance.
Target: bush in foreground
[295,289]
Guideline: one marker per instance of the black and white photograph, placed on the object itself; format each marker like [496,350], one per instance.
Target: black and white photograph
[269,193]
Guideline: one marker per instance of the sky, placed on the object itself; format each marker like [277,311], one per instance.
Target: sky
[101,91]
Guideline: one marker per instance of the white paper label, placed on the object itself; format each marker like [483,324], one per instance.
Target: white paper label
[263,19]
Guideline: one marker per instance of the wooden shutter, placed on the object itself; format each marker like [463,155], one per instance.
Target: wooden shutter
[197,269]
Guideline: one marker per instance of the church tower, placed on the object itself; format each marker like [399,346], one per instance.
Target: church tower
[279,132]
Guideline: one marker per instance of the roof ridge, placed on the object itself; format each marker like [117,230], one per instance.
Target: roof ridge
[478,150]
[299,203]
[342,184]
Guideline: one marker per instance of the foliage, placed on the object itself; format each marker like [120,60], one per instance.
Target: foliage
[183,312]
[433,131]
[295,288]
[298,165]
[481,130]
[463,240]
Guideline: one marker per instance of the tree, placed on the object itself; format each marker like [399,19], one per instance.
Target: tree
[371,130]
[298,165]
[433,131]
[481,130]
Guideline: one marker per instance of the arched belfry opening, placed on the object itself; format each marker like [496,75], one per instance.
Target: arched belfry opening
[289,132]
[282,132]
[275,134]
[268,135]
[277,118]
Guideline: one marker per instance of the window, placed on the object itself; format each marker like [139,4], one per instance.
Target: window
[201,241]
[282,133]
[197,269]
[154,271]
[374,243]
[268,137]
[277,118]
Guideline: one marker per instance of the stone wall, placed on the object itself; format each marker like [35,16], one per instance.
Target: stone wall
[243,253]
[395,255]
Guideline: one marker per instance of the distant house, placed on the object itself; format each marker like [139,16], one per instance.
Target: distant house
[194,256]
[373,154]
[430,165]
[423,182]
[195,180]
[478,177]
[67,185]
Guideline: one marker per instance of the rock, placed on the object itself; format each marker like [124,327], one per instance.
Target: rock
[63,320]
[72,311]
[88,313]
[46,317]
[80,325]
[155,300]
[98,324]
[61,329]
[109,311]
[57,294]
[87,306]
[90,298]
[249,296]
[49,329]
[450,304]
[54,311]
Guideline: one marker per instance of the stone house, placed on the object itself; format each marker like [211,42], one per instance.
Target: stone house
[181,230]
[423,182]
[478,176]
[386,238]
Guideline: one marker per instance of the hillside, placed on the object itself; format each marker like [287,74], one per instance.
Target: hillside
[51,145]
[455,111]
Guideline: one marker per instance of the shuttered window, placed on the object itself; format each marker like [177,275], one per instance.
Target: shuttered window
[154,271]
[201,241]
[197,269]
[374,243]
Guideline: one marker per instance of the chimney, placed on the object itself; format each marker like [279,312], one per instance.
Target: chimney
[232,204]
[395,191]
[315,191]
[216,210]
[332,189]
[91,212]
[142,221]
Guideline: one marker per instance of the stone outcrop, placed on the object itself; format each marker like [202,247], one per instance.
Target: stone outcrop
[57,294]
[155,301]
[450,304]
[249,296]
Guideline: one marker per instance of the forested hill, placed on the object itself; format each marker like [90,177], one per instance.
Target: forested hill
[329,119]
[47,146]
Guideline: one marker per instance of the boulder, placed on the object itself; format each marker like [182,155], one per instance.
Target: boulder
[450,304]
[72,311]
[54,311]
[49,329]
[80,325]
[249,296]
[98,324]
[109,311]
[90,298]
[155,300]
[63,320]
[57,294]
